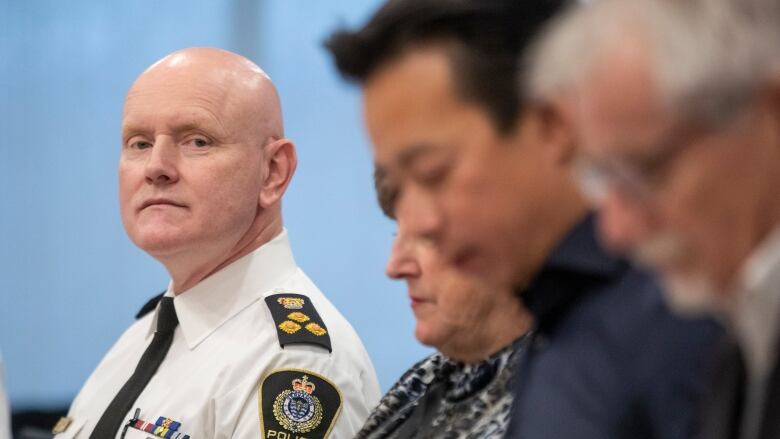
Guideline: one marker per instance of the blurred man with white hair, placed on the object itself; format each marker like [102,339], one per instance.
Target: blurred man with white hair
[677,109]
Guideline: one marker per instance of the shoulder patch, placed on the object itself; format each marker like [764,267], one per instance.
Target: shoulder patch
[297,403]
[149,306]
[296,320]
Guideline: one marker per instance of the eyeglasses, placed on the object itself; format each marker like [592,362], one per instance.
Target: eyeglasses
[638,177]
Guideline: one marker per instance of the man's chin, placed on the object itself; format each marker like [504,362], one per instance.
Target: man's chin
[159,246]
[426,335]
[691,294]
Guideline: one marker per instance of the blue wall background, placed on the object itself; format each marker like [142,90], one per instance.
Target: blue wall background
[70,280]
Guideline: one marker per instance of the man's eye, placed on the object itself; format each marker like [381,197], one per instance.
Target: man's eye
[432,177]
[199,142]
[140,144]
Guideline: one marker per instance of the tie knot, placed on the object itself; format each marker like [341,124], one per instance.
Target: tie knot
[166,316]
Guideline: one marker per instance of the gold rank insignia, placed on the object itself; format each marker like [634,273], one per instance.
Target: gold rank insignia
[298,316]
[290,321]
[289,327]
[316,329]
[291,302]
[298,403]
[62,424]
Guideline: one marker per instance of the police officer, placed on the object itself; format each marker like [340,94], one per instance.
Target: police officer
[242,343]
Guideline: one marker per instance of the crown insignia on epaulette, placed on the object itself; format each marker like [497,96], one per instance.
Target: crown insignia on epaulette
[291,302]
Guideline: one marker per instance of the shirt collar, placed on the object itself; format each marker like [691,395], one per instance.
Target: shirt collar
[756,312]
[575,266]
[206,306]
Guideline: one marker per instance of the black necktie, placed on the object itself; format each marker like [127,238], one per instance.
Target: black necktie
[109,424]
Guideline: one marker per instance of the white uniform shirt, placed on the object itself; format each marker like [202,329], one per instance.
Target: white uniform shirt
[224,346]
[5,421]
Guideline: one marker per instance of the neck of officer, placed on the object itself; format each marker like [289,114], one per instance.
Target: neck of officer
[197,266]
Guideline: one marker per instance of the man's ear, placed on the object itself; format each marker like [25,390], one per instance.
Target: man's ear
[281,160]
[774,93]
[557,130]
[767,109]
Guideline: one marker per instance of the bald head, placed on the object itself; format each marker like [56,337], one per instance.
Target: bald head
[204,161]
[231,82]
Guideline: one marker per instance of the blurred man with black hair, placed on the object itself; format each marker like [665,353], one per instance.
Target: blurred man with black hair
[484,177]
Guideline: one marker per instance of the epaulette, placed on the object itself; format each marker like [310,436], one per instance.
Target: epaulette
[149,306]
[296,320]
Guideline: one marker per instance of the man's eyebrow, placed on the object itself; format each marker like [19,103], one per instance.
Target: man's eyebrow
[386,191]
[408,156]
[131,129]
[201,123]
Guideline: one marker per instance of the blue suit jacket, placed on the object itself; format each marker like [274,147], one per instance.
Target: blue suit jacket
[608,359]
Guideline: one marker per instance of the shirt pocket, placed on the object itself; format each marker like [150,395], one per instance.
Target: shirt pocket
[134,433]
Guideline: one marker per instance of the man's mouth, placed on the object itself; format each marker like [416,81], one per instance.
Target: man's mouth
[160,202]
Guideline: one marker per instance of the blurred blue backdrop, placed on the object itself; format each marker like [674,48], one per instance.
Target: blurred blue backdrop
[70,280]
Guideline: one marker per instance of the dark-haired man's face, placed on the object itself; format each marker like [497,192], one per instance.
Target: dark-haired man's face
[482,197]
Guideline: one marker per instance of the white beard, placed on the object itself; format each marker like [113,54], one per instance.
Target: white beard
[692,293]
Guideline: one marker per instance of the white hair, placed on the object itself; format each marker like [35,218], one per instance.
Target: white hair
[708,56]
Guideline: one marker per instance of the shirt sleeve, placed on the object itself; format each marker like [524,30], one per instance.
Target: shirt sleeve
[305,391]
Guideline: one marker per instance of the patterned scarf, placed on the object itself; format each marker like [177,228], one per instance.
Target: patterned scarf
[476,402]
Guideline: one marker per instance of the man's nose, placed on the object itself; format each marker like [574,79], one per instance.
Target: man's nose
[162,163]
[402,263]
[421,215]
[623,223]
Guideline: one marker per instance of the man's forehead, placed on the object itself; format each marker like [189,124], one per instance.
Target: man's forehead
[193,115]
[408,93]
[390,162]
[620,102]
[186,87]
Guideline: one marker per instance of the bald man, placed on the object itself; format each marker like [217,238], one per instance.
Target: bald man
[242,344]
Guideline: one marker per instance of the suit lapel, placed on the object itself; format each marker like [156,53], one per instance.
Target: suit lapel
[721,413]
[770,423]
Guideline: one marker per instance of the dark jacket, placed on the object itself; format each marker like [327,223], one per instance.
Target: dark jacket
[607,359]
[724,402]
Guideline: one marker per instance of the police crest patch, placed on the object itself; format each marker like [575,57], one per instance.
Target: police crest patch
[297,402]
